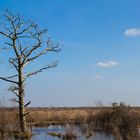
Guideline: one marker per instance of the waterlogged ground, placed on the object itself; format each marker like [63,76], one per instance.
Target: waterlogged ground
[43,134]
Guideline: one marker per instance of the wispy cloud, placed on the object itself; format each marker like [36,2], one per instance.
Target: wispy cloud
[107,64]
[132,32]
[96,77]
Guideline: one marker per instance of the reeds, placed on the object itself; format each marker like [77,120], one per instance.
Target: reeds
[8,121]
[43,117]
[119,120]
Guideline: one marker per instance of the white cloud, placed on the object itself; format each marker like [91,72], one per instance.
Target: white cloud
[96,77]
[107,64]
[132,32]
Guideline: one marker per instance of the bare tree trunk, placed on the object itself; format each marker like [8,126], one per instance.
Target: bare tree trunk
[22,114]
[21,101]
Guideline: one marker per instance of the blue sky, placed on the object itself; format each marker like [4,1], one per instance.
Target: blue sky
[100,55]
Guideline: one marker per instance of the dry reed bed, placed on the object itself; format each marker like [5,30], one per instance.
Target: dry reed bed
[123,122]
[56,116]
[118,120]
[8,122]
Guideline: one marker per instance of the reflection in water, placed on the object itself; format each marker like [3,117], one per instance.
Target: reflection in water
[42,134]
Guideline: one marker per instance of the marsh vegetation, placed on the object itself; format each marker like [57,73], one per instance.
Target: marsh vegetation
[118,122]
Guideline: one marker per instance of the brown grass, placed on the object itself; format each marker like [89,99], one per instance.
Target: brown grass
[8,122]
[120,121]
[56,116]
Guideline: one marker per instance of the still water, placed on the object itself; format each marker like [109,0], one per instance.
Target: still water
[42,133]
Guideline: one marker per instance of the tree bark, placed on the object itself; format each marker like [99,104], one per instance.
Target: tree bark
[22,118]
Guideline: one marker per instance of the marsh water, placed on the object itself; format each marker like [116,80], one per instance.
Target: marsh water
[42,133]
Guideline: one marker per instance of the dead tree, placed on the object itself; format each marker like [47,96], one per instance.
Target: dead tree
[26,43]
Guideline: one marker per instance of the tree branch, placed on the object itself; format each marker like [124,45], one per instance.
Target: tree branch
[14,100]
[7,80]
[27,104]
[14,89]
[5,34]
[40,70]
[12,76]
[26,113]
[13,61]
[53,49]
